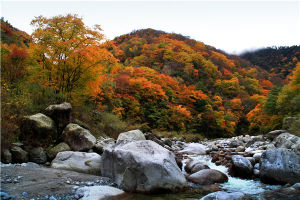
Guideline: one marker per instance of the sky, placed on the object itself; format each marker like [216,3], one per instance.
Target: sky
[232,26]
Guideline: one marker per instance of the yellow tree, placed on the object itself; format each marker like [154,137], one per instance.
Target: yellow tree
[68,52]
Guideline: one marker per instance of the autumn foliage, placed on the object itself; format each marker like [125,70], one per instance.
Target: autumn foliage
[161,80]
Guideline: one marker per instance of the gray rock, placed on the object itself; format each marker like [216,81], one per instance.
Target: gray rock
[19,155]
[6,156]
[242,166]
[167,141]
[38,129]
[60,113]
[254,139]
[223,196]
[102,143]
[194,149]
[257,166]
[207,177]
[240,149]
[37,155]
[131,135]
[256,172]
[280,166]
[193,166]
[251,159]
[235,143]
[56,149]
[98,192]
[257,156]
[142,166]
[78,161]
[78,138]
[273,134]
[288,141]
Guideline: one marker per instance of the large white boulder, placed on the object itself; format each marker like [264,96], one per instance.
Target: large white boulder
[280,165]
[78,161]
[98,192]
[194,148]
[142,166]
[131,135]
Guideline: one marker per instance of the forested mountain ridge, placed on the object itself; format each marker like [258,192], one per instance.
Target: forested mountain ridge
[149,78]
[278,61]
[10,34]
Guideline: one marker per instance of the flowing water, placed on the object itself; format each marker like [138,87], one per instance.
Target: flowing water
[254,189]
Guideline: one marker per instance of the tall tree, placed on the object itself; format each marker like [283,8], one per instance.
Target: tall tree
[68,51]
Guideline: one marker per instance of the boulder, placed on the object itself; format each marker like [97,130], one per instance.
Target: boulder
[142,166]
[19,155]
[78,138]
[6,156]
[38,129]
[193,166]
[288,141]
[102,143]
[78,161]
[194,149]
[220,195]
[242,167]
[280,166]
[37,155]
[60,113]
[131,135]
[273,134]
[56,149]
[240,149]
[98,192]
[236,143]
[257,156]
[207,177]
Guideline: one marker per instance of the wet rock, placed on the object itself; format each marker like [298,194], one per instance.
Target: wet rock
[256,172]
[223,196]
[194,166]
[78,138]
[60,113]
[38,129]
[142,166]
[288,141]
[37,155]
[19,155]
[6,156]
[78,161]
[98,192]
[242,167]
[280,166]
[198,167]
[257,156]
[235,143]
[131,135]
[102,143]
[167,141]
[208,176]
[254,139]
[240,149]
[251,159]
[194,149]
[58,148]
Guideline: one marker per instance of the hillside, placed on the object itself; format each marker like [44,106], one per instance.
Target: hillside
[12,35]
[278,61]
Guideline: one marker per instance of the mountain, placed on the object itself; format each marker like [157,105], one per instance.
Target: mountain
[278,61]
[12,35]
